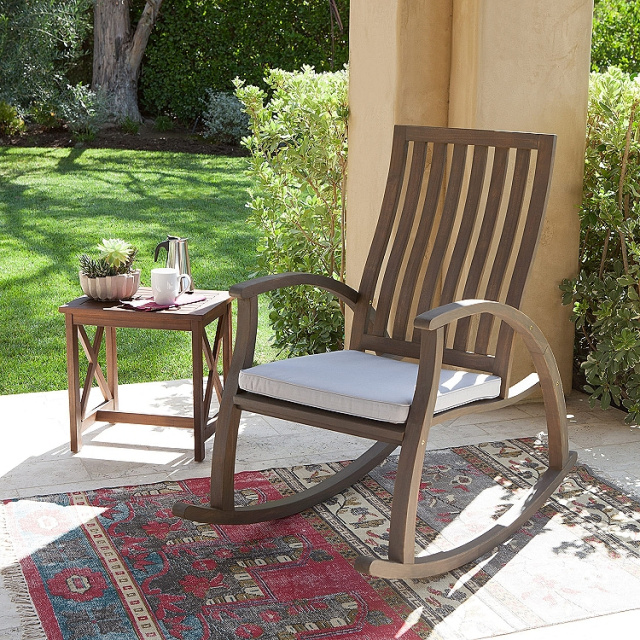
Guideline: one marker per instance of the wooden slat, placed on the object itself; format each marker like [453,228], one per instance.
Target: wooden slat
[452,198]
[385,345]
[533,225]
[469,215]
[93,370]
[144,418]
[395,179]
[420,242]
[506,245]
[530,239]
[484,137]
[401,240]
[213,381]
[468,360]
[91,352]
[384,226]
[483,244]
[453,358]
[215,353]
[351,425]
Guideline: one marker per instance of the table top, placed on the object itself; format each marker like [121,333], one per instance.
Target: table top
[85,310]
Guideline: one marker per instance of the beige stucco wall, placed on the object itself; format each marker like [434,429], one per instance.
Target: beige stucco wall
[373,59]
[398,73]
[463,63]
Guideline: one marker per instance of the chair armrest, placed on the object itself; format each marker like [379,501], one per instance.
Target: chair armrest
[256,286]
[520,322]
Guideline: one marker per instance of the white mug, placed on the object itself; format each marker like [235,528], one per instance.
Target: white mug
[165,284]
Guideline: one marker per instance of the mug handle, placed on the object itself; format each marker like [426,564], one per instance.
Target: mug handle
[187,285]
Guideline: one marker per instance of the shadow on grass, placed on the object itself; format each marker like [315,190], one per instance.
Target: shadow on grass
[58,203]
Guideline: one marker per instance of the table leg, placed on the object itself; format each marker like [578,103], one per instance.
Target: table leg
[221,343]
[73,378]
[112,366]
[199,419]
[212,355]
[213,382]
[227,340]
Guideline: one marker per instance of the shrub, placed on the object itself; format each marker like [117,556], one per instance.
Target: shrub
[130,126]
[225,119]
[84,111]
[298,158]
[204,44]
[39,42]
[10,121]
[163,123]
[45,114]
[616,32]
[605,295]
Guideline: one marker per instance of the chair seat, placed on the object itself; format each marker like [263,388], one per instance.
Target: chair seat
[361,384]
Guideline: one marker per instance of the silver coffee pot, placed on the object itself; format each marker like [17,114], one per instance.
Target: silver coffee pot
[177,256]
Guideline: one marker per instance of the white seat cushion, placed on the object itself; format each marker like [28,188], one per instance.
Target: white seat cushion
[361,384]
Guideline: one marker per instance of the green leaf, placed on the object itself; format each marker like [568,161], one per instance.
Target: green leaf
[298,198]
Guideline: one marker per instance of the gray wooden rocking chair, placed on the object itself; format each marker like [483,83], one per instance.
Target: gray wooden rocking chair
[458,229]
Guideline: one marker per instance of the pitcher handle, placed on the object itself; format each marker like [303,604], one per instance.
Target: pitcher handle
[164,244]
[187,286]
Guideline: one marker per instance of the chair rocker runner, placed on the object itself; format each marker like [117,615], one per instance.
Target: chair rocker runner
[434,321]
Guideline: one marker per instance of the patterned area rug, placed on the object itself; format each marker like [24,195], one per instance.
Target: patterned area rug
[115,564]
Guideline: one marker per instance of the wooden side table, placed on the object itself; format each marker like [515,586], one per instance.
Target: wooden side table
[106,317]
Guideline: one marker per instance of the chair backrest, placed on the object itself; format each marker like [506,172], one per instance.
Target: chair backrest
[460,219]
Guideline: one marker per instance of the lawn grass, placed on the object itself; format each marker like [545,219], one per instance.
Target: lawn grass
[58,203]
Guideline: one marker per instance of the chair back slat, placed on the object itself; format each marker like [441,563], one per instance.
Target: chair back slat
[460,218]
[452,198]
[481,254]
[506,245]
[386,219]
[419,248]
[463,237]
[407,217]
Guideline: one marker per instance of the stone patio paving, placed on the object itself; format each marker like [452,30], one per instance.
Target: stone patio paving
[35,459]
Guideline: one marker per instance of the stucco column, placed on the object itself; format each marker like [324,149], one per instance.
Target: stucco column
[463,63]
[399,68]
[373,59]
[524,66]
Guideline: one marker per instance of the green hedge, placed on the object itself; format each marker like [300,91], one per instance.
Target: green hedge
[605,297]
[298,149]
[616,35]
[198,45]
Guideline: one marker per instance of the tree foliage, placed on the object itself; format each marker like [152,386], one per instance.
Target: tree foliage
[606,294]
[200,45]
[616,35]
[39,42]
[298,158]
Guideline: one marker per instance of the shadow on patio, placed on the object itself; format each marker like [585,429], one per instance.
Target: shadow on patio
[117,455]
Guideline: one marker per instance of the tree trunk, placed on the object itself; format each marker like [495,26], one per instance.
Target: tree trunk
[117,54]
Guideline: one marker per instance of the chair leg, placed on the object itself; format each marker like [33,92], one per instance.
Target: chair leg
[402,562]
[505,527]
[275,509]
[223,460]
[402,527]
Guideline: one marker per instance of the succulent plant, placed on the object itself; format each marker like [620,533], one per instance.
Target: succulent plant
[95,268]
[115,251]
[116,257]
